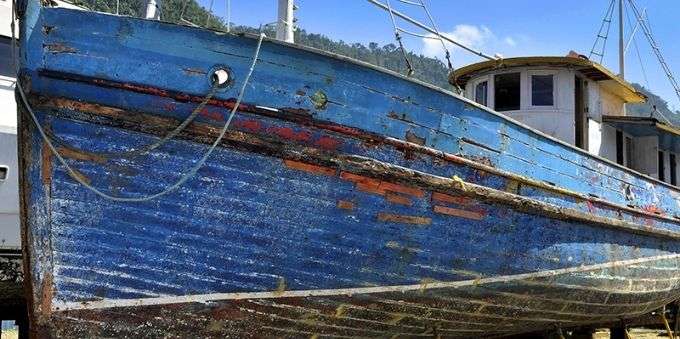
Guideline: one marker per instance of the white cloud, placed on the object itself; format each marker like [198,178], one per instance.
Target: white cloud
[510,41]
[478,37]
[468,35]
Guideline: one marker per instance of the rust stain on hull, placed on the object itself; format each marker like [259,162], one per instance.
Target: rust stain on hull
[405,219]
[363,169]
[458,212]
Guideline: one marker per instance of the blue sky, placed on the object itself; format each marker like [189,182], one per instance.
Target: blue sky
[511,28]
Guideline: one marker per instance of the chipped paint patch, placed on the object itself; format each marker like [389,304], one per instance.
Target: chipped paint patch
[414,138]
[512,186]
[345,205]
[310,168]
[458,200]
[398,199]
[46,166]
[56,48]
[458,212]
[81,155]
[405,219]
[194,71]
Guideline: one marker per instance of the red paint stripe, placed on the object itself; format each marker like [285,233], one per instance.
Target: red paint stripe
[398,199]
[441,197]
[370,188]
[345,205]
[315,169]
[458,212]
[388,186]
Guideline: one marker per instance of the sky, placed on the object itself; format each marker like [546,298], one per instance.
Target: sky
[510,28]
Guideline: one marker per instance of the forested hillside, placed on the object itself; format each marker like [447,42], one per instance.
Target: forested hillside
[653,100]
[388,56]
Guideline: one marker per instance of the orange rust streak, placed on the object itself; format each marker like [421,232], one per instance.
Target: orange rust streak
[345,205]
[315,169]
[388,186]
[354,178]
[406,219]
[370,188]
[80,155]
[46,168]
[381,185]
[46,295]
[653,209]
[398,199]
[441,197]
[458,213]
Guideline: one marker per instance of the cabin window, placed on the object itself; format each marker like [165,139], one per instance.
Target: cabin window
[629,152]
[507,91]
[662,168]
[481,90]
[542,90]
[619,147]
[4,170]
[673,167]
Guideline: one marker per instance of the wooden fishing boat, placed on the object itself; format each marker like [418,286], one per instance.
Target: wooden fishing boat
[342,200]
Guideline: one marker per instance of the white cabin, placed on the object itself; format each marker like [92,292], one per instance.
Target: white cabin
[579,102]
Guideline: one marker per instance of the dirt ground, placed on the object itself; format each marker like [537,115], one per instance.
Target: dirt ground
[635,334]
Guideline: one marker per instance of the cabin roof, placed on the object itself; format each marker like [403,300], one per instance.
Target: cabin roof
[669,136]
[590,69]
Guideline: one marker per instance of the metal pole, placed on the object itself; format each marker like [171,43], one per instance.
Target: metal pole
[284,24]
[228,15]
[429,29]
[622,58]
[152,11]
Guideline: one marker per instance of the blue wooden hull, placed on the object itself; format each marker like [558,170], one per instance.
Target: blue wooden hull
[343,201]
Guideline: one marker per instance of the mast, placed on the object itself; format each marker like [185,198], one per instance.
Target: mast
[284,24]
[152,9]
[622,60]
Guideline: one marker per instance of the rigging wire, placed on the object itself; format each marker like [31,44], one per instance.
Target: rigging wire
[433,30]
[397,36]
[635,44]
[655,47]
[439,35]
[606,21]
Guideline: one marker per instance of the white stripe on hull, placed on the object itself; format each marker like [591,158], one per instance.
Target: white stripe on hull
[204,298]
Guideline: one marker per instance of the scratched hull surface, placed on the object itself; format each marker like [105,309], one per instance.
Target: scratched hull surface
[344,201]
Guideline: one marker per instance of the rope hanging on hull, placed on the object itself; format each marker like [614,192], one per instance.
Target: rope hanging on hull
[184,178]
